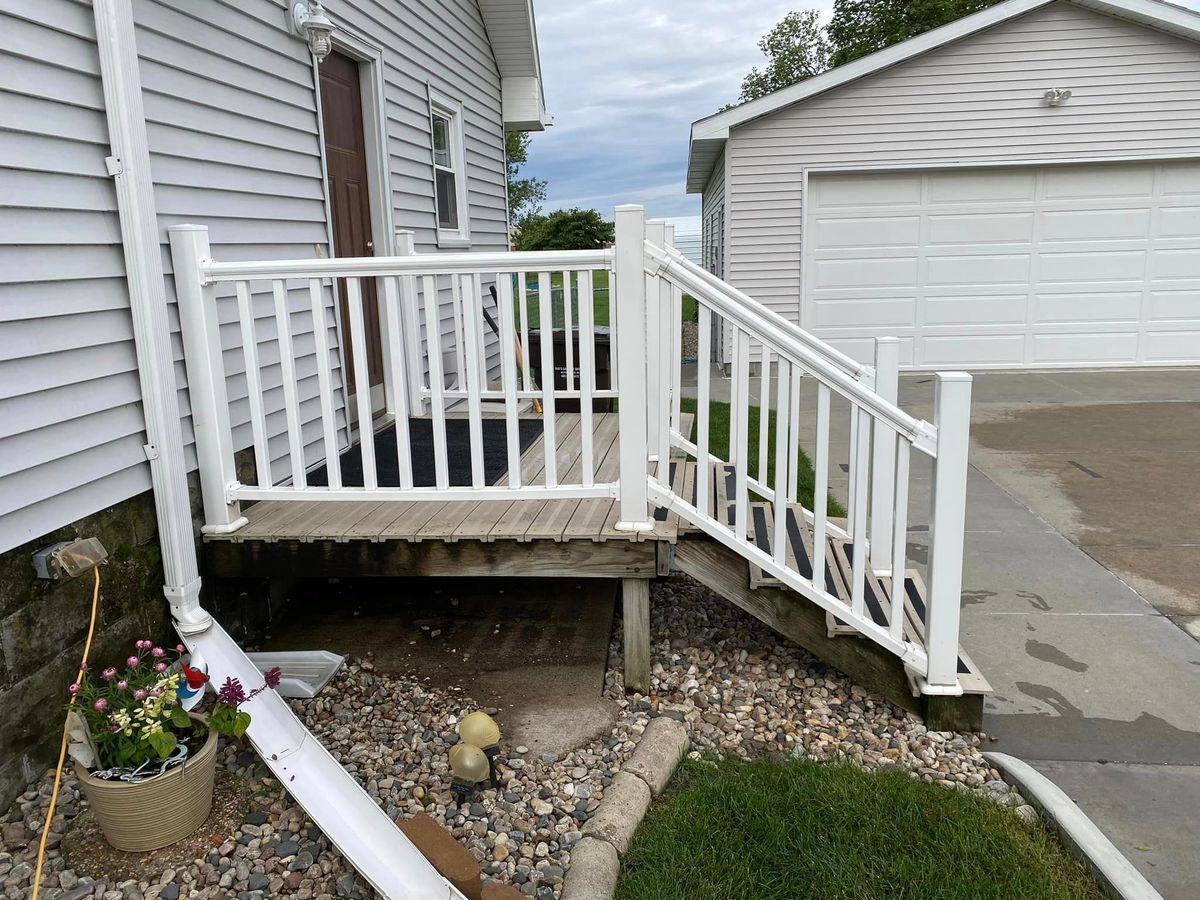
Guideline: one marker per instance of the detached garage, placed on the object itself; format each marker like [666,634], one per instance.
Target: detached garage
[941,192]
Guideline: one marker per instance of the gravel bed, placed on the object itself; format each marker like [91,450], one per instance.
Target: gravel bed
[740,689]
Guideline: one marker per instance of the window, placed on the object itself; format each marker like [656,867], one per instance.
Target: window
[449,171]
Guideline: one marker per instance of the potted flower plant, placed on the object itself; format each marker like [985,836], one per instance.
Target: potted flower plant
[138,751]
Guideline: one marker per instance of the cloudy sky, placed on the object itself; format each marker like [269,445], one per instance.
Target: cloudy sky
[624,81]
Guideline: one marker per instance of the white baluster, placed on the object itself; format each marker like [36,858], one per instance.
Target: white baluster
[821,485]
[362,383]
[899,536]
[333,463]
[859,472]
[740,441]
[258,424]
[883,454]
[410,315]
[437,387]
[473,351]
[782,450]
[287,365]
[523,307]
[703,367]
[508,376]
[393,325]
[546,320]
[587,374]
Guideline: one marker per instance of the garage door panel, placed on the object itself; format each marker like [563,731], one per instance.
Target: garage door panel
[1010,309]
[974,228]
[1088,268]
[1090,182]
[890,273]
[1095,224]
[886,312]
[968,270]
[1180,222]
[1025,266]
[972,351]
[1070,308]
[1165,306]
[1171,346]
[982,186]
[1184,263]
[1098,347]
[858,233]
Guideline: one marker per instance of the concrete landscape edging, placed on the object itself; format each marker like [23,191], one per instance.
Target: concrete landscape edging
[596,859]
[1079,834]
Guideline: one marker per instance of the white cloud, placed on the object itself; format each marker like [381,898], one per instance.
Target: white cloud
[625,81]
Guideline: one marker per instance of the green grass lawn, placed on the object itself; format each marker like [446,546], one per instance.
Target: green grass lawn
[785,831]
[718,444]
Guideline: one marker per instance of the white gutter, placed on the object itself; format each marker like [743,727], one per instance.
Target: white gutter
[130,168]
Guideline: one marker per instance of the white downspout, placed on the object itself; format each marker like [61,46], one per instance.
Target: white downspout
[130,167]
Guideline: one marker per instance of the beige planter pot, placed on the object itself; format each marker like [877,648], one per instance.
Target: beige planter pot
[158,812]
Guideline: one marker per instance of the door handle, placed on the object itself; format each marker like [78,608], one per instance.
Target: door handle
[370,248]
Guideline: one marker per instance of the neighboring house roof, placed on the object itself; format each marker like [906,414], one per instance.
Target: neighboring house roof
[512,32]
[709,134]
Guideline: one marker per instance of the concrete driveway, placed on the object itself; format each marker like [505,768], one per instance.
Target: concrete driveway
[1081,574]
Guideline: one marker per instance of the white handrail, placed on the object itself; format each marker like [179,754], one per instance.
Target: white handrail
[417,264]
[771,328]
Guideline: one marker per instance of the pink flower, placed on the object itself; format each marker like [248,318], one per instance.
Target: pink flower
[160,667]
[158,652]
[132,662]
[83,667]
[75,688]
[114,727]
[139,694]
[101,704]
[122,684]
[272,677]
[109,674]
[179,648]
[144,644]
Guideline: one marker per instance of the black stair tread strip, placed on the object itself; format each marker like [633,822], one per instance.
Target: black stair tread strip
[761,538]
[731,493]
[874,607]
[918,605]
[660,513]
[796,539]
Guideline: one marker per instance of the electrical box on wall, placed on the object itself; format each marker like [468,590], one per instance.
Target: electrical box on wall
[68,559]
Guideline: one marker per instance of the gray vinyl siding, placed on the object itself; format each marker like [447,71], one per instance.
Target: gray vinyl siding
[234,145]
[71,430]
[1135,92]
[712,217]
[232,123]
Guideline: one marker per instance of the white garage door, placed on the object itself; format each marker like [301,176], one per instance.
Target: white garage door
[1095,265]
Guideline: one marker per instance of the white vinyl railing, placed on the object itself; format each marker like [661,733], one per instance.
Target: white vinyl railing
[456,332]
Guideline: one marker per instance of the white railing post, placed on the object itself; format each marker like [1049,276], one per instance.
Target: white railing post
[883,455]
[197,302]
[952,415]
[630,270]
[656,234]
[411,319]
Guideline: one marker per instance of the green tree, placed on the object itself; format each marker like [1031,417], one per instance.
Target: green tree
[796,49]
[566,229]
[525,195]
[862,27]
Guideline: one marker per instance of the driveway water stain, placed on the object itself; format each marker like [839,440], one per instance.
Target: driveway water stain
[971,598]
[1037,601]
[1051,654]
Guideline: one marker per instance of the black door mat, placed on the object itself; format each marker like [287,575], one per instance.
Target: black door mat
[420,436]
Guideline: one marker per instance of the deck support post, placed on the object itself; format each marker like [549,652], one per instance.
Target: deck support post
[952,415]
[883,457]
[635,611]
[200,329]
[629,263]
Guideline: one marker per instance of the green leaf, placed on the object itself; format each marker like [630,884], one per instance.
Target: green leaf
[163,743]
[180,718]
[241,722]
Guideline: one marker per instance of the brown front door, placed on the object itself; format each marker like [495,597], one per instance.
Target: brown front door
[349,195]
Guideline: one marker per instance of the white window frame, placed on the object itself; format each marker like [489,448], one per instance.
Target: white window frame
[452,110]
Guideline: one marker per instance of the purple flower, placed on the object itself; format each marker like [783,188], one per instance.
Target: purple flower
[139,694]
[231,693]
[101,704]
[158,652]
[109,674]
[75,688]
[160,667]
[132,662]
[273,676]
[122,684]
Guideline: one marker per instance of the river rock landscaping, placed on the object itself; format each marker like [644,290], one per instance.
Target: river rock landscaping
[740,688]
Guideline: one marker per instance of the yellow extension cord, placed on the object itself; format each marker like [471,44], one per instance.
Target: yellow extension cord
[62,751]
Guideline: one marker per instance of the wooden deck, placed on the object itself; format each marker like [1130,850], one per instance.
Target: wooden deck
[309,521]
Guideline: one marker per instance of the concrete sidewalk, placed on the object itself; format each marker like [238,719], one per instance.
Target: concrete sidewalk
[1094,686]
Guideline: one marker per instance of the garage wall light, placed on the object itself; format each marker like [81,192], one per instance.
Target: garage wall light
[1056,96]
[310,22]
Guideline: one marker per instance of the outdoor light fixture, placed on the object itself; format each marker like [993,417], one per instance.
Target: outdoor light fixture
[480,730]
[470,766]
[310,22]
[1056,96]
